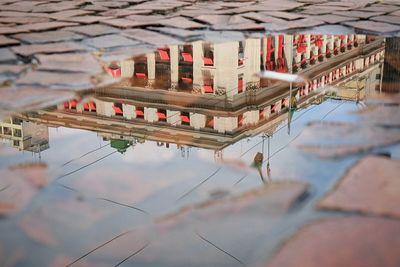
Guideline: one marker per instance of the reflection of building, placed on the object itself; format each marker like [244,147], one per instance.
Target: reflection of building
[228,68]
[153,111]
[24,135]
[391,73]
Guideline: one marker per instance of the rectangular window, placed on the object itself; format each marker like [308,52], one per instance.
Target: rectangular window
[118,109]
[139,111]
[161,115]
[240,84]
[185,118]
[210,122]
[17,133]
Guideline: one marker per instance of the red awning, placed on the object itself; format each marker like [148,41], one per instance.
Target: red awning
[210,123]
[114,72]
[241,119]
[139,112]
[140,75]
[208,89]
[117,110]
[66,104]
[187,80]
[285,101]
[161,115]
[73,103]
[163,54]
[208,61]
[185,118]
[274,107]
[187,57]
[240,85]
[86,106]
[92,106]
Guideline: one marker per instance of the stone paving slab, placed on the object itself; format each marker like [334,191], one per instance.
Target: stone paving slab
[350,241]
[371,187]
[48,37]
[61,47]
[331,144]
[387,19]
[63,81]
[6,56]
[7,41]
[372,26]
[233,223]
[93,30]
[150,37]
[69,62]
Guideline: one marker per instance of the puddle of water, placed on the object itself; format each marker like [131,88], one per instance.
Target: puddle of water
[186,124]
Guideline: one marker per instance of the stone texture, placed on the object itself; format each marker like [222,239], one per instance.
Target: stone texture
[387,19]
[380,8]
[181,22]
[181,33]
[371,186]
[27,50]
[7,41]
[88,19]
[358,14]
[23,20]
[150,37]
[93,30]
[48,37]
[6,56]
[382,115]
[183,233]
[44,26]
[126,23]
[333,19]
[70,62]
[69,13]
[331,144]
[109,41]
[351,241]
[370,26]
[62,81]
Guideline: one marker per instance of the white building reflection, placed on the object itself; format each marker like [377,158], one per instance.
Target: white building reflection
[207,95]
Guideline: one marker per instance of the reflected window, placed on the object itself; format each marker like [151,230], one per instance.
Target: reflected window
[240,84]
[161,115]
[17,133]
[70,104]
[186,54]
[118,109]
[7,131]
[208,85]
[208,51]
[16,121]
[185,118]
[139,111]
[210,122]
[240,120]
[241,53]
[89,107]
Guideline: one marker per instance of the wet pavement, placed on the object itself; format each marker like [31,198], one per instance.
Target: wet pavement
[186,133]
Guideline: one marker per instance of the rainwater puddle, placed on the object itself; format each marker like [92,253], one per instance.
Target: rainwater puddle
[153,166]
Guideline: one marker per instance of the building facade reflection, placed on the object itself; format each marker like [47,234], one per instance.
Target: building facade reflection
[207,95]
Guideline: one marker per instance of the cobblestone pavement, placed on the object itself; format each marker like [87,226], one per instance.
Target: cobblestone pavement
[102,31]
[63,47]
